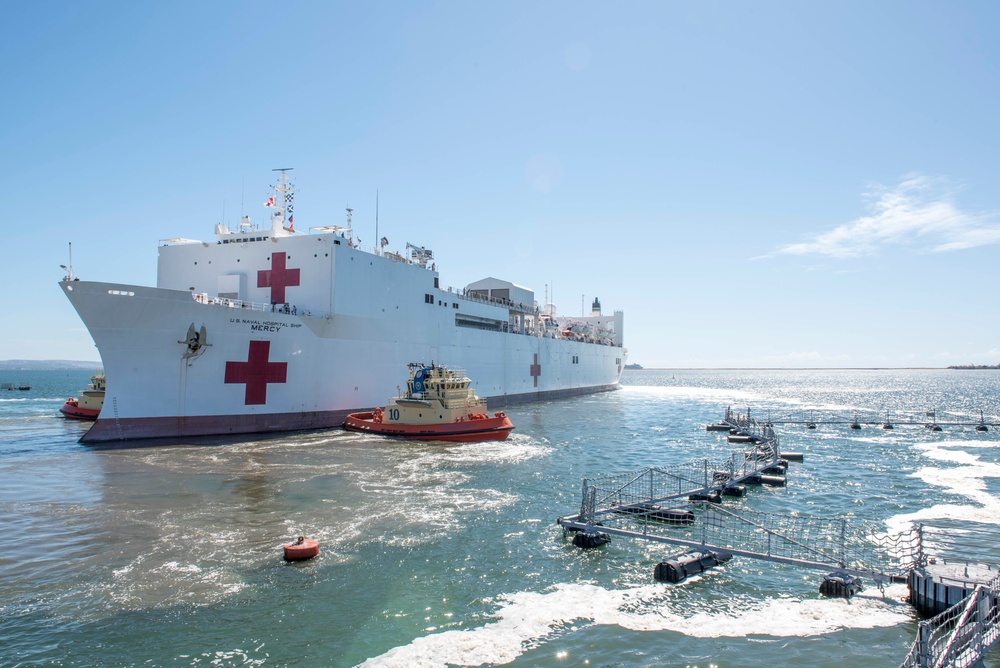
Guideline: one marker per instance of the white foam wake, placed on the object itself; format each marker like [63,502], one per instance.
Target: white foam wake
[527,617]
[696,393]
[967,479]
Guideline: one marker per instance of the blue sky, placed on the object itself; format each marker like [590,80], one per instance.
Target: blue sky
[754,184]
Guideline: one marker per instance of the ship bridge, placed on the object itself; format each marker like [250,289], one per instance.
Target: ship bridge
[526,318]
[504,292]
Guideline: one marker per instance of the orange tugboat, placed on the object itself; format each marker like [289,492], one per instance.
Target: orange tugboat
[88,405]
[439,405]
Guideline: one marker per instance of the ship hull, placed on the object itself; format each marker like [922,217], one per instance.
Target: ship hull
[265,371]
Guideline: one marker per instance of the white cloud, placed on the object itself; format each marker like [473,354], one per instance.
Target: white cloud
[919,212]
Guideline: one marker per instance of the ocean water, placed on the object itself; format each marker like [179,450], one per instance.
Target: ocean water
[448,554]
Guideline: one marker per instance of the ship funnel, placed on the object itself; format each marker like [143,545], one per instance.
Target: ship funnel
[596,308]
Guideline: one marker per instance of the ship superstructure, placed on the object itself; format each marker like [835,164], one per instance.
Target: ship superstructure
[276,329]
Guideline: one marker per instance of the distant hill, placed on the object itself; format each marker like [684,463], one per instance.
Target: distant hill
[46,365]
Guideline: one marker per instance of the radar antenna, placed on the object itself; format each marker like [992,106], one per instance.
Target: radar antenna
[419,254]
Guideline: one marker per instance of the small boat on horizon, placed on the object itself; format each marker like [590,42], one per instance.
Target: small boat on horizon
[88,405]
[439,405]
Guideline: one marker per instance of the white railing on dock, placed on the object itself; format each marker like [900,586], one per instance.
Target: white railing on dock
[821,542]
[954,545]
[961,635]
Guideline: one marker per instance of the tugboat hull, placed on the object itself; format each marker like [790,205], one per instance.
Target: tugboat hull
[496,428]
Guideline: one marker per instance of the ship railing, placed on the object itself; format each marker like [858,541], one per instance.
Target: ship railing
[496,301]
[204,298]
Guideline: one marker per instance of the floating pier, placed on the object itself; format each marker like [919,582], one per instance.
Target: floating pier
[15,386]
[933,419]
[936,587]
[650,496]
[964,596]
[640,494]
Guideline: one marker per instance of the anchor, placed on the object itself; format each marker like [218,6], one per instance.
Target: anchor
[196,342]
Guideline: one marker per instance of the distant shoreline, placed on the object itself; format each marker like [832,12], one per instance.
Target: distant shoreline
[813,368]
[48,365]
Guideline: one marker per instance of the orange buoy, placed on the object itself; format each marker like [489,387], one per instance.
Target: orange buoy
[303,548]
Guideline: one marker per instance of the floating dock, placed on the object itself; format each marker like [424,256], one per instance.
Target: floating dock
[682,506]
[934,419]
[15,386]
[936,587]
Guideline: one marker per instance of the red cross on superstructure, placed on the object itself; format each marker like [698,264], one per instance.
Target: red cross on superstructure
[257,372]
[536,369]
[277,278]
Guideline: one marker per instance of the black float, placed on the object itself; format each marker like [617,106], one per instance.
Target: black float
[677,569]
[840,585]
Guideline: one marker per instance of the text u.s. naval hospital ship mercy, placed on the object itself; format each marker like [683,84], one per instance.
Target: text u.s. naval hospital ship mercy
[277,330]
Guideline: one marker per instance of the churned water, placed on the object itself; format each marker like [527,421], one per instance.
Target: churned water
[449,555]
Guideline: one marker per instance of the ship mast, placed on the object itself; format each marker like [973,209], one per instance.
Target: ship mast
[69,269]
[283,203]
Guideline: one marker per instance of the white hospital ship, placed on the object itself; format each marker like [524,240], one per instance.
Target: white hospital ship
[279,330]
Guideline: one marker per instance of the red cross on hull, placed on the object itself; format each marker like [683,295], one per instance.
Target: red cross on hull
[257,372]
[536,370]
[278,277]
